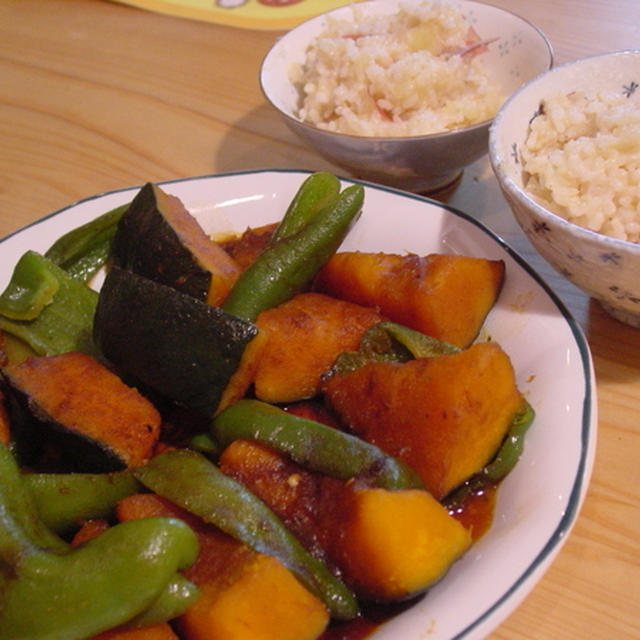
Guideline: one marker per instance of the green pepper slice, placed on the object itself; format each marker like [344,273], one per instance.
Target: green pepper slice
[286,267]
[31,289]
[51,591]
[189,480]
[317,191]
[84,250]
[65,322]
[174,600]
[502,463]
[312,445]
[65,499]
[390,342]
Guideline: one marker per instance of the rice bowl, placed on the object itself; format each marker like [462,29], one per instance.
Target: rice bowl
[581,159]
[603,266]
[415,72]
[420,163]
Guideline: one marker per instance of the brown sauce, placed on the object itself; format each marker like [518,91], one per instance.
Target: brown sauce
[371,618]
[476,512]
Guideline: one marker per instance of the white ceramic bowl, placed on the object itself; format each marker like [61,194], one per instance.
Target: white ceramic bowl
[606,268]
[538,503]
[417,163]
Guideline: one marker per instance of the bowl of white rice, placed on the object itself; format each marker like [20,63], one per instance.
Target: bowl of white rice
[565,149]
[402,92]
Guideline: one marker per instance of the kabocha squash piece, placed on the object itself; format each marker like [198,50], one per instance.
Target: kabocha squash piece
[88,531]
[91,419]
[315,446]
[191,481]
[299,497]
[304,337]
[263,602]
[244,594]
[444,416]
[181,348]
[245,248]
[387,545]
[394,544]
[444,296]
[159,239]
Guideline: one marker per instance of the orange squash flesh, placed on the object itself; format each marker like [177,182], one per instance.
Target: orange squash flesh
[444,296]
[80,394]
[89,530]
[244,594]
[305,336]
[245,374]
[394,544]
[445,416]
[265,602]
[213,257]
[159,239]
[299,498]
[387,545]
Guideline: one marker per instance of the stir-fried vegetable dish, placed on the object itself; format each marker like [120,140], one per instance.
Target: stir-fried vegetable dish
[262,437]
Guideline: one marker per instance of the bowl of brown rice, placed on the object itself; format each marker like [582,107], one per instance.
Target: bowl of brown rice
[402,92]
[565,149]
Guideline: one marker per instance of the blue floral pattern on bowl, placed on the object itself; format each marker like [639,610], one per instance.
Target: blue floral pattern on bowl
[606,268]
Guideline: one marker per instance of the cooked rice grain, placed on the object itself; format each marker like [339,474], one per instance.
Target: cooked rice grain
[582,161]
[411,73]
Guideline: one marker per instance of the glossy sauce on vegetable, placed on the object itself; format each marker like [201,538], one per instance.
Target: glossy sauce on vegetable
[371,618]
[476,512]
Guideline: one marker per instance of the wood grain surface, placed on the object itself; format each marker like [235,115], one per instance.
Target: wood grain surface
[96,95]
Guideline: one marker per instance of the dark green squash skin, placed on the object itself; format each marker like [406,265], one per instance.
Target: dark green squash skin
[163,340]
[45,444]
[146,244]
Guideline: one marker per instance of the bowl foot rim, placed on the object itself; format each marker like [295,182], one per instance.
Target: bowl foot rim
[623,315]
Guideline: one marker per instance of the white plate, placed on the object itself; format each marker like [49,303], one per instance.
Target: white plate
[539,502]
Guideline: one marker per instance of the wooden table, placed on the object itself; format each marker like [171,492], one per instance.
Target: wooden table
[96,96]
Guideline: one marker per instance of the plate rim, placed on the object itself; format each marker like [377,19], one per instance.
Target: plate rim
[588,433]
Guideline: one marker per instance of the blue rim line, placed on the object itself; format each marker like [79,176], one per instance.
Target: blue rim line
[573,503]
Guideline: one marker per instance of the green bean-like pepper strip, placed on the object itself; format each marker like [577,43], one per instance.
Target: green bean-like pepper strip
[174,600]
[18,511]
[30,289]
[100,585]
[317,191]
[390,342]
[189,480]
[312,445]
[65,499]
[418,344]
[83,250]
[512,447]
[53,594]
[286,267]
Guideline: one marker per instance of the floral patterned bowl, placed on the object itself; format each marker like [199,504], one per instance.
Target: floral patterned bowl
[518,52]
[607,269]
